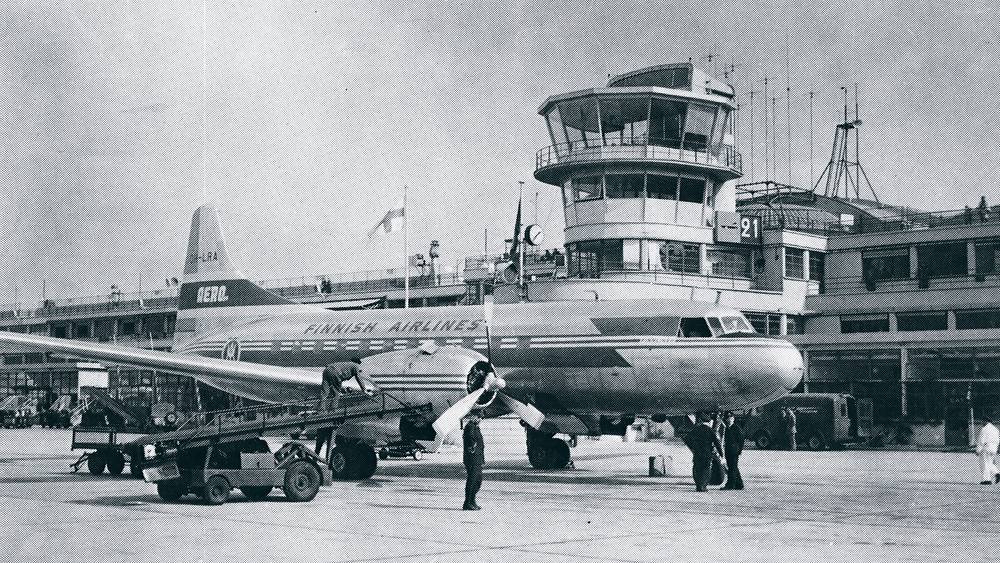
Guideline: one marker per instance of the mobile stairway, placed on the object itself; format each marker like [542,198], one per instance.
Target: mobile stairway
[213,453]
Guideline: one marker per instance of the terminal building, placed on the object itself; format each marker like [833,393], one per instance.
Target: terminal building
[886,302]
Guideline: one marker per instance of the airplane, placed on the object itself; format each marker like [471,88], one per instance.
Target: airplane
[573,367]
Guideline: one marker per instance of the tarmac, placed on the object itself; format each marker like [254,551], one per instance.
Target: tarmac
[852,505]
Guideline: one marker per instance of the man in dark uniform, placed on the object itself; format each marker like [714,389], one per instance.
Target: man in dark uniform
[734,447]
[703,442]
[791,428]
[473,459]
[334,376]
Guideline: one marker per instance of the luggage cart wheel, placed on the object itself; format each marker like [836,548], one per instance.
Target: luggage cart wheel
[95,463]
[216,490]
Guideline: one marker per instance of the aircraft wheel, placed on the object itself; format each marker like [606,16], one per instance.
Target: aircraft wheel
[816,442]
[95,463]
[543,454]
[255,493]
[418,455]
[216,490]
[763,440]
[367,460]
[170,490]
[561,449]
[353,461]
[115,463]
[302,481]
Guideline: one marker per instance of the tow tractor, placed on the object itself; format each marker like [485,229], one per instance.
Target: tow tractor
[217,452]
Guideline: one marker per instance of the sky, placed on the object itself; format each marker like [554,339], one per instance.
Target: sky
[317,113]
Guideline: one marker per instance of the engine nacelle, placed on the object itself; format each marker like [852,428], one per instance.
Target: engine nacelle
[433,374]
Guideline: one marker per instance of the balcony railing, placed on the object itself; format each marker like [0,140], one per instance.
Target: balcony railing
[903,221]
[641,148]
[846,285]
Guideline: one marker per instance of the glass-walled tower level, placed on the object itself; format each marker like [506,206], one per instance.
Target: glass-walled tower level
[644,164]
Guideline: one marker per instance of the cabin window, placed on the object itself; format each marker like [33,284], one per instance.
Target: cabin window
[716,325]
[694,327]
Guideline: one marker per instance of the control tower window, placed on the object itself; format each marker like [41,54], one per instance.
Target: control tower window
[661,187]
[677,257]
[579,119]
[694,327]
[698,129]
[794,263]
[666,123]
[624,185]
[693,190]
[586,188]
[624,120]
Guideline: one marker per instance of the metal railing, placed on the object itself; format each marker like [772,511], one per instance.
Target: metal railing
[633,270]
[861,284]
[639,147]
[903,221]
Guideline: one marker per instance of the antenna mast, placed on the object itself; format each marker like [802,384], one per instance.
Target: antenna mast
[840,182]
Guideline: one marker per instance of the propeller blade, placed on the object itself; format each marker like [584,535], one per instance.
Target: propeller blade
[450,418]
[528,413]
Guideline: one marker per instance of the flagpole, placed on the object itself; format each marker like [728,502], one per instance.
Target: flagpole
[406,254]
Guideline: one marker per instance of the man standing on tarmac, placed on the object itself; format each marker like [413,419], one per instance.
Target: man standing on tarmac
[986,449]
[473,459]
[790,428]
[703,442]
[334,376]
[734,447]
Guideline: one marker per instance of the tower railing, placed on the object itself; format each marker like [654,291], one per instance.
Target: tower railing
[639,147]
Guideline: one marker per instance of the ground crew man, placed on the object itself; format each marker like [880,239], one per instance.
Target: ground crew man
[334,376]
[986,449]
[704,443]
[473,459]
[734,447]
[790,428]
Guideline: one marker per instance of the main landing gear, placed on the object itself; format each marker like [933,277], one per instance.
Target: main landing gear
[545,451]
[352,460]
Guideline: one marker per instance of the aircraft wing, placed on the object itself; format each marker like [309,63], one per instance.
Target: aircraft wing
[199,367]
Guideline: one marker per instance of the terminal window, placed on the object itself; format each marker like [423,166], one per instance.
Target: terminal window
[624,185]
[967,320]
[795,263]
[987,257]
[692,190]
[677,257]
[943,260]
[886,264]
[864,323]
[922,321]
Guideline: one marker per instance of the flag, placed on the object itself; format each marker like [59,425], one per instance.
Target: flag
[393,220]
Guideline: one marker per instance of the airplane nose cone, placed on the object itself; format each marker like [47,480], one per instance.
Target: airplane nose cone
[790,368]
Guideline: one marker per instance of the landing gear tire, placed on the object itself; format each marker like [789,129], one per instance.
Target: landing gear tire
[255,493]
[548,453]
[816,442]
[95,463]
[353,461]
[170,491]
[302,481]
[116,463]
[763,440]
[216,490]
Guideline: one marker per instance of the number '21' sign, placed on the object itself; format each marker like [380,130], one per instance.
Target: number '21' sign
[750,229]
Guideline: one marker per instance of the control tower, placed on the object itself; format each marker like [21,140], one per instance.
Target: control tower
[647,170]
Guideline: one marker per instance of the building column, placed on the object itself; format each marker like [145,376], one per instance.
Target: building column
[904,365]
[914,267]
[970,257]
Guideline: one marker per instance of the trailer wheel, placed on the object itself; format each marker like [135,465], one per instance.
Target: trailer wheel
[255,493]
[216,490]
[816,442]
[115,463]
[763,440]
[302,481]
[95,463]
[417,455]
[170,490]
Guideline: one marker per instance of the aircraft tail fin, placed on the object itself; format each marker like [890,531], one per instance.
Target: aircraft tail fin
[214,293]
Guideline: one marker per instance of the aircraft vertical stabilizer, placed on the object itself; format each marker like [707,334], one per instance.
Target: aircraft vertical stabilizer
[214,294]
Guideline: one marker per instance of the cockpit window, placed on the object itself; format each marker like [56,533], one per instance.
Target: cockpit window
[694,327]
[716,325]
[736,324]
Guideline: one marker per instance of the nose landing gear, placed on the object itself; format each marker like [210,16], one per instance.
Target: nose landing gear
[545,451]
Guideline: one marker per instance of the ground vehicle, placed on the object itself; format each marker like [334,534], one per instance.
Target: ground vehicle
[822,420]
[402,449]
[211,472]
[110,449]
